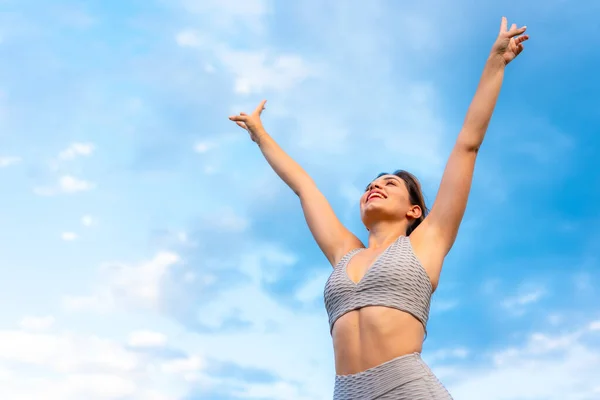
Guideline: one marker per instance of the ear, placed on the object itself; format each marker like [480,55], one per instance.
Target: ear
[414,212]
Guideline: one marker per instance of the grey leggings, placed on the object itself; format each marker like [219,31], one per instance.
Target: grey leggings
[403,378]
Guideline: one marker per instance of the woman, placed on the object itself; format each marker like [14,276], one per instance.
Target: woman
[378,297]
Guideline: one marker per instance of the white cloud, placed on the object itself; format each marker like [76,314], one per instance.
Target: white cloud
[36,323]
[8,161]
[102,301]
[75,150]
[142,282]
[490,286]
[209,69]
[253,71]
[70,184]
[265,343]
[68,236]
[147,339]
[188,38]
[224,17]
[137,285]
[545,367]
[203,147]
[64,353]
[44,191]
[595,326]
[227,220]
[66,184]
[72,367]
[583,282]
[189,277]
[517,304]
[351,194]
[87,220]
[210,170]
[527,298]
[555,319]
[183,366]
[182,237]
[312,289]
[259,71]
[267,263]
[440,306]
[447,354]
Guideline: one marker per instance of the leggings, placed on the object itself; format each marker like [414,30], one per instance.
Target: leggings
[403,378]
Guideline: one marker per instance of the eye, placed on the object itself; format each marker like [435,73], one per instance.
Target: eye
[391,183]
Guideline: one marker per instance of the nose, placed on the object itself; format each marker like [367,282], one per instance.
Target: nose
[374,185]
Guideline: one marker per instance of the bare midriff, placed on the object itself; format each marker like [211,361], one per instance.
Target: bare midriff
[370,336]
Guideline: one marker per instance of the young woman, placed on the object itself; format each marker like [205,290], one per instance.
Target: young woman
[378,296]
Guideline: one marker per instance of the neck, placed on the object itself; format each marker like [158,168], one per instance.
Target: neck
[384,233]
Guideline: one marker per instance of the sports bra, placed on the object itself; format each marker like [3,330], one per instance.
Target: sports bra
[396,279]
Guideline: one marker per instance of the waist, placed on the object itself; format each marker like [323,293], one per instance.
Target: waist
[371,336]
[374,382]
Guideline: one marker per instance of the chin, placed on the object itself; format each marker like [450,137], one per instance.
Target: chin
[376,212]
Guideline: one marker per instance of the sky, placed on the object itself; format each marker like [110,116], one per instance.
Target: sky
[148,252]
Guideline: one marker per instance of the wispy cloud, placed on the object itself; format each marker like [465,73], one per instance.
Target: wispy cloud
[440,306]
[312,289]
[76,150]
[137,285]
[9,160]
[554,367]
[595,326]
[67,184]
[36,323]
[146,339]
[517,304]
[69,236]
[88,220]
[80,366]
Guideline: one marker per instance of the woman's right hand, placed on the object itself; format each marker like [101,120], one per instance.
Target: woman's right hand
[332,237]
[251,123]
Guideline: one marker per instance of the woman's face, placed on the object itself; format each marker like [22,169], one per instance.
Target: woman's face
[387,198]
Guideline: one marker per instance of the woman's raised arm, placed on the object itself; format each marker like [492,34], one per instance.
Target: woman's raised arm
[331,236]
[438,231]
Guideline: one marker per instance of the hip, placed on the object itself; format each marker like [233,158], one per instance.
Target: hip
[402,378]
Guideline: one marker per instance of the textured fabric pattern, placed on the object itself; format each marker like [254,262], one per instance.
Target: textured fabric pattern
[396,279]
[403,378]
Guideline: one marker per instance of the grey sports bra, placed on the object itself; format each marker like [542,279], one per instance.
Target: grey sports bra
[396,279]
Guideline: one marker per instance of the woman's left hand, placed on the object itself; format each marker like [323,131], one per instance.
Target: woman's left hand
[509,44]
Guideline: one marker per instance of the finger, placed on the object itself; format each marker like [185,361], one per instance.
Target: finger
[260,107]
[503,25]
[513,27]
[238,118]
[242,125]
[521,39]
[243,114]
[520,48]
[515,32]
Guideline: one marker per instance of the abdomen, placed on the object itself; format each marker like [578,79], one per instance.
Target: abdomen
[370,336]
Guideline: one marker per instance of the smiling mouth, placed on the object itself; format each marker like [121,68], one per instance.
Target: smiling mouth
[373,196]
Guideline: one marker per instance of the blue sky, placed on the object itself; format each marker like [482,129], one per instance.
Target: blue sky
[148,251]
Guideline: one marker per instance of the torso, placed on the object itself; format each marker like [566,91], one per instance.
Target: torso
[373,334]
